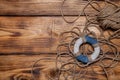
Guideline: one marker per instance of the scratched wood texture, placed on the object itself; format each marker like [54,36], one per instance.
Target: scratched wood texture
[45,7]
[18,67]
[32,33]
[22,37]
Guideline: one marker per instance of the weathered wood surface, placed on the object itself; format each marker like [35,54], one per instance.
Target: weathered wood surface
[44,7]
[34,34]
[31,34]
[23,36]
[18,67]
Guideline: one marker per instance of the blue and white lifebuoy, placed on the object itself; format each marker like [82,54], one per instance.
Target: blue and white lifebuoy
[93,42]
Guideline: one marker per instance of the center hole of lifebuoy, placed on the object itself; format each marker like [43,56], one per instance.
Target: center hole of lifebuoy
[86,49]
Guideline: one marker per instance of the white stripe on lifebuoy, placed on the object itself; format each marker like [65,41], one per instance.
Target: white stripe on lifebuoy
[77,45]
[96,53]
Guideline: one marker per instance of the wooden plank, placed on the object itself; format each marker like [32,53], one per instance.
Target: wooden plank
[18,67]
[34,34]
[44,7]
[31,34]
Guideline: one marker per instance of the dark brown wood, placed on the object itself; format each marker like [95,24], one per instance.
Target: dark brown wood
[34,35]
[18,67]
[44,7]
[31,34]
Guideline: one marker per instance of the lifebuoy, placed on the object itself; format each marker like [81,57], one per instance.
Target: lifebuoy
[92,41]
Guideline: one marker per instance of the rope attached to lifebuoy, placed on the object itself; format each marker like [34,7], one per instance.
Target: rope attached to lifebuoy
[92,41]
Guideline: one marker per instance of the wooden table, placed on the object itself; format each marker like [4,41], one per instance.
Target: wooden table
[30,29]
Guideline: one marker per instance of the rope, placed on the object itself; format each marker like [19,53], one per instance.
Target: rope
[71,69]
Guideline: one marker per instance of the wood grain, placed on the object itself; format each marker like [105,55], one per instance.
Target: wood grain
[18,67]
[34,35]
[31,34]
[44,7]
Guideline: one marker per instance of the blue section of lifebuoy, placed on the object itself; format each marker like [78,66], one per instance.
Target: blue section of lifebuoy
[91,40]
[82,58]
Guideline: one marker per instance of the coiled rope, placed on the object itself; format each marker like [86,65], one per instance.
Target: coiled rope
[69,68]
